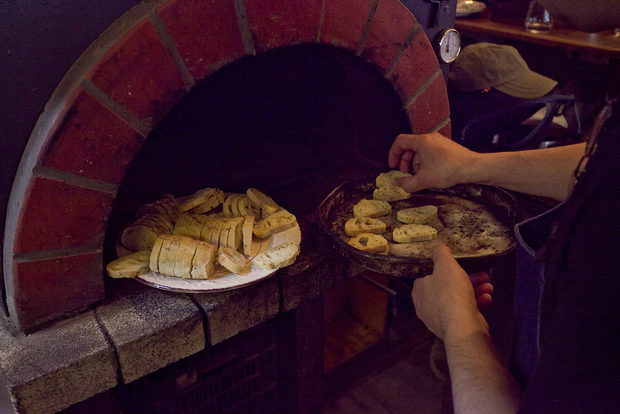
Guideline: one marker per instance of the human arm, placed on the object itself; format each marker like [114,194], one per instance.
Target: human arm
[440,162]
[446,302]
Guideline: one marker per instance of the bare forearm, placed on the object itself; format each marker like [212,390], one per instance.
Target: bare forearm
[480,381]
[545,172]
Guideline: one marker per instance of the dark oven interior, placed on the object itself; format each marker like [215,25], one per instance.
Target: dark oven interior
[295,122]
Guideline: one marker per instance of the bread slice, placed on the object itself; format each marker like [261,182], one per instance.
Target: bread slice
[279,221]
[216,230]
[389,178]
[132,265]
[390,194]
[247,230]
[278,256]
[227,206]
[355,226]
[414,233]
[248,208]
[166,206]
[183,258]
[203,263]
[369,242]
[262,200]
[235,235]
[167,255]
[139,237]
[154,257]
[417,215]
[187,225]
[196,199]
[214,200]
[371,208]
[233,260]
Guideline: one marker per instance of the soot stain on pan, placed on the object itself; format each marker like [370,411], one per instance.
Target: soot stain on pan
[469,228]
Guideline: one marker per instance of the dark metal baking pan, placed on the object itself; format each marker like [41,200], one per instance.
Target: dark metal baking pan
[483,207]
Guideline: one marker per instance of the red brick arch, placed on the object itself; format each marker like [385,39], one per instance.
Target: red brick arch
[105,107]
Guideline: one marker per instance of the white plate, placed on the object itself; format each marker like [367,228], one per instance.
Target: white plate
[224,280]
[468,7]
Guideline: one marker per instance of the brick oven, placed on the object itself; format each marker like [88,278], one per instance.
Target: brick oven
[122,125]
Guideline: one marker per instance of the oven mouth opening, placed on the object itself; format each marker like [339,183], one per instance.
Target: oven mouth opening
[296,122]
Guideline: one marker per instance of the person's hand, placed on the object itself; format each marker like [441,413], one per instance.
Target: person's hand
[436,161]
[448,299]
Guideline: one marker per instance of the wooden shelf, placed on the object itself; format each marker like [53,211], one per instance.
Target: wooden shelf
[603,43]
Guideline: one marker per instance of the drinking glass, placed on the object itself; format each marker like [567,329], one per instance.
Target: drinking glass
[538,19]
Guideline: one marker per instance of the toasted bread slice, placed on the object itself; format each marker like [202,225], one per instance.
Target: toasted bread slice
[417,215]
[228,203]
[276,222]
[278,256]
[409,233]
[196,199]
[371,208]
[132,265]
[390,178]
[233,260]
[187,225]
[203,263]
[355,226]
[167,256]
[262,200]
[390,194]
[214,200]
[154,257]
[139,237]
[214,238]
[247,230]
[248,208]
[369,242]
[184,256]
[235,235]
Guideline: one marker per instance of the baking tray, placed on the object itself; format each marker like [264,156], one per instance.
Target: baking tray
[488,216]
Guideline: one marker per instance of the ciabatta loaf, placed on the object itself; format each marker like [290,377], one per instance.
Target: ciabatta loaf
[355,226]
[369,242]
[371,208]
[414,233]
[132,265]
[278,221]
[390,194]
[277,257]
[417,215]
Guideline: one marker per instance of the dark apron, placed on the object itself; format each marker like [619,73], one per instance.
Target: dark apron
[531,235]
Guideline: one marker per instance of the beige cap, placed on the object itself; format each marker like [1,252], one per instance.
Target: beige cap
[489,65]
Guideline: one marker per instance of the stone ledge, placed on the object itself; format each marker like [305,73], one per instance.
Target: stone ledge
[150,328]
[58,366]
[138,330]
[233,311]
